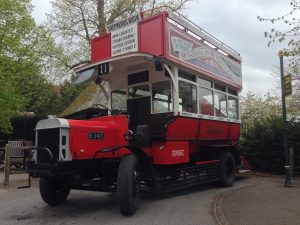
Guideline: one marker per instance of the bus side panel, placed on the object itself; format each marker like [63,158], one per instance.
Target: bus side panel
[183,128]
[210,129]
[170,152]
[235,129]
[194,147]
[101,48]
[151,35]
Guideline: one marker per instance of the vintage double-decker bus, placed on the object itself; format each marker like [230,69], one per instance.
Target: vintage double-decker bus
[171,121]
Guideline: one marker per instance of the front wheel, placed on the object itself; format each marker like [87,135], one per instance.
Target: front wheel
[128,185]
[54,191]
[227,169]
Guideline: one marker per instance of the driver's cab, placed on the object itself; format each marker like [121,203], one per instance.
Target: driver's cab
[148,92]
[144,92]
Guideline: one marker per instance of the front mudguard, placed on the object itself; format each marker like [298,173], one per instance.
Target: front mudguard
[145,163]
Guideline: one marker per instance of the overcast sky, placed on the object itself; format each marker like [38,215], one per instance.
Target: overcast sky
[235,23]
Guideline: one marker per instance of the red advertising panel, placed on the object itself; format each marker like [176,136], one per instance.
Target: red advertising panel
[190,51]
[172,37]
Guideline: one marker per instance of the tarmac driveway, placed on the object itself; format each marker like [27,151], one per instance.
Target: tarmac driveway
[190,207]
[265,202]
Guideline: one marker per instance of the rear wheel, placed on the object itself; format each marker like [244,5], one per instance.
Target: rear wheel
[227,169]
[128,185]
[54,191]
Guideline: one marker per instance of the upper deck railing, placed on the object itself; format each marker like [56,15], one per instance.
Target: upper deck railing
[190,26]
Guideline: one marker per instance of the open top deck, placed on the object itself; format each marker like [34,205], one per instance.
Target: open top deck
[174,38]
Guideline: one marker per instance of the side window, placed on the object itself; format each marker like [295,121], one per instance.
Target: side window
[204,83]
[187,97]
[233,111]
[220,105]
[139,91]
[118,100]
[206,106]
[161,96]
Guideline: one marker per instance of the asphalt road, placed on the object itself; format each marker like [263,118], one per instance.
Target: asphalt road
[265,202]
[189,207]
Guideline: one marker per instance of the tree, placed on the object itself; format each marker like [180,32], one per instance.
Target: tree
[13,19]
[75,22]
[10,104]
[262,145]
[254,108]
[262,128]
[68,92]
[25,50]
[290,35]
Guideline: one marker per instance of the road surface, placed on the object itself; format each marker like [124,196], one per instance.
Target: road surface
[190,207]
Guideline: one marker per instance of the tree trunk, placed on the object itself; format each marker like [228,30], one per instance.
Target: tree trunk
[101,17]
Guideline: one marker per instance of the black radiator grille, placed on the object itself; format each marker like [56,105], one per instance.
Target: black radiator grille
[48,138]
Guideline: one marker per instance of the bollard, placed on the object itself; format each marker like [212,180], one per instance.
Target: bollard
[291,161]
[7,164]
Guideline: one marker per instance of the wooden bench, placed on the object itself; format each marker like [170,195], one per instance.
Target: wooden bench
[16,153]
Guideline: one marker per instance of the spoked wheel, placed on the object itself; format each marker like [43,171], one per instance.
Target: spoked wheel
[54,191]
[227,169]
[128,185]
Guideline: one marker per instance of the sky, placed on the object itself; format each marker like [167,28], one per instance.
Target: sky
[235,23]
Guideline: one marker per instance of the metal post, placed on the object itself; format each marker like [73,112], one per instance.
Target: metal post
[7,165]
[287,168]
[292,161]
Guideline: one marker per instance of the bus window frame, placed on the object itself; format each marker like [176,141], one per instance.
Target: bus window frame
[149,83]
[172,96]
[214,91]
[195,84]
[175,108]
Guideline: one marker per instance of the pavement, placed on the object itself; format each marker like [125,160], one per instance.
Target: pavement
[265,201]
[253,200]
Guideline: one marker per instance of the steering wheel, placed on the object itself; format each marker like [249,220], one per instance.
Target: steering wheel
[102,106]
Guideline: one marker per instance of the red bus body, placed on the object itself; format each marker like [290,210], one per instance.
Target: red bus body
[186,132]
[172,113]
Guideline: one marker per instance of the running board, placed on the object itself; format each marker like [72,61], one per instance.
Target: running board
[188,176]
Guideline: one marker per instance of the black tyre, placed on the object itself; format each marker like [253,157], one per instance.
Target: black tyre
[128,185]
[227,169]
[54,191]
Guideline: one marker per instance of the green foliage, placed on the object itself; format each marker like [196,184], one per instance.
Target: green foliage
[262,145]
[289,35]
[10,104]
[85,98]
[262,131]
[27,54]
[255,108]
[14,20]
[68,93]
[40,95]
